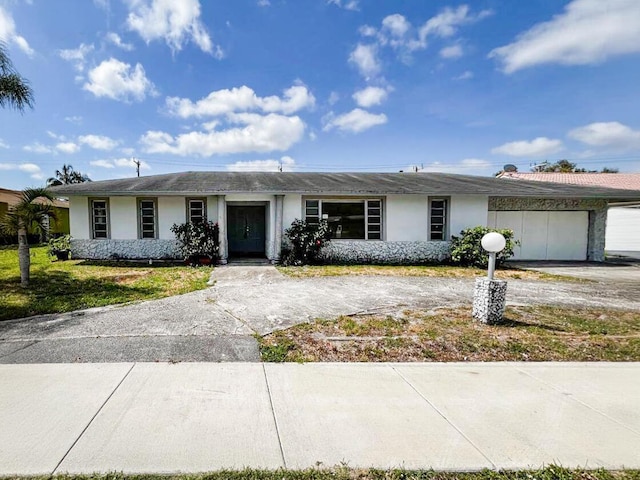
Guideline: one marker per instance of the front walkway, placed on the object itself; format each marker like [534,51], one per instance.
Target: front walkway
[218,323]
[195,417]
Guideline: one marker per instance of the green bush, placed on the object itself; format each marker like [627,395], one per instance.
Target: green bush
[198,240]
[466,250]
[59,246]
[305,240]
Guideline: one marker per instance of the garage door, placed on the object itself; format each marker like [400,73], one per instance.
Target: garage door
[546,235]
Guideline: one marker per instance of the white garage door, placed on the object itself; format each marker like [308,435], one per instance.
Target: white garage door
[623,229]
[546,235]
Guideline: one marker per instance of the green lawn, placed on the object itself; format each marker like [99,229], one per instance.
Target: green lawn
[345,473]
[65,286]
[531,333]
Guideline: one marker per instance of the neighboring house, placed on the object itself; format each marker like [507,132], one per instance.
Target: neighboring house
[623,219]
[374,217]
[58,226]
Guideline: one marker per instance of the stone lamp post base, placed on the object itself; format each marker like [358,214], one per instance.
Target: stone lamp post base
[489,297]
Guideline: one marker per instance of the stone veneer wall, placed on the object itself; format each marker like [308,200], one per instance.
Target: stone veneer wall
[597,215]
[380,252]
[127,249]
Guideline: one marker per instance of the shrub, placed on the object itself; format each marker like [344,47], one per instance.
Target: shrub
[198,240]
[60,247]
[467,250]
[305,242]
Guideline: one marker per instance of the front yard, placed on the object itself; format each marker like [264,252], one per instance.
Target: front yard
[65,286]
[531,333]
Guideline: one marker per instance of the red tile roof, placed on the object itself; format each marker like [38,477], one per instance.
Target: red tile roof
[623,181]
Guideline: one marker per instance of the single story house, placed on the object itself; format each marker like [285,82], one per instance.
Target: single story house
[623,218]
[374,217]
[58,226]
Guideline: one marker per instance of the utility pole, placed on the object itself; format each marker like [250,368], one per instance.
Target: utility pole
[137,163]
[280,166]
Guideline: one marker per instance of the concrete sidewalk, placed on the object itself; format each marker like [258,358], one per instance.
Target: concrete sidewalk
[195,417]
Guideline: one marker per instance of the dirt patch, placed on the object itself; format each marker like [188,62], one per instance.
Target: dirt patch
[532,333]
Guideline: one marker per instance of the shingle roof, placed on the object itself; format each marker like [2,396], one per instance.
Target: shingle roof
[213,183]
[625,181]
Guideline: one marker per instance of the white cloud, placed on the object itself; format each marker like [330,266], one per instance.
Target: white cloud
[607,134]
[287,164]
[37,147]
[31,168]
[587,32]
[465,166]
[117,80]
[333,98]
[454,51]
[356,121]
[115,39]
[120,163]
[398,33]
[396,25]
[365,58]
[466,75]
[264,3]
[346,4]
[74,119]
[242,99]
[3,144]
[175,22]
[67,147]
[98,142]
[77,56]
[538,147]
[447,22]
[256,133]
[369,96]
[9,34]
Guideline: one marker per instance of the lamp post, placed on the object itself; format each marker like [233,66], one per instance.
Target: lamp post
[489,295]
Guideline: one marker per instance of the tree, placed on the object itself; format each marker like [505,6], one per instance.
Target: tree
[15,91]
[565,166]
[30,213]
[66,176]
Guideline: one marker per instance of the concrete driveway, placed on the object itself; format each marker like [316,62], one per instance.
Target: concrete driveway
[218,323]
[620,271]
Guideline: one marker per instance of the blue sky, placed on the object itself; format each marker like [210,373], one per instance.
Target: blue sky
[318,85]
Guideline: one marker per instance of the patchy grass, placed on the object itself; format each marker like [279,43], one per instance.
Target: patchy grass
[532,333]
[551,472]
[65,286]
[417,271]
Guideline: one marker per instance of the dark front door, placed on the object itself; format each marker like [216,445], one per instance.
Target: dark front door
[246,226]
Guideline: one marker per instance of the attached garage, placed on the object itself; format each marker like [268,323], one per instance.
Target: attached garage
[623,229]
[546,235]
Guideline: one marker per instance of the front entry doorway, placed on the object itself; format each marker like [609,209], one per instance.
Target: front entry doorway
[246,230]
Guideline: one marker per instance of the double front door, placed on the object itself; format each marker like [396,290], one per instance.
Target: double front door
[246,230]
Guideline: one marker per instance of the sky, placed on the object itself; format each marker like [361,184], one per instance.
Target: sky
[320,85]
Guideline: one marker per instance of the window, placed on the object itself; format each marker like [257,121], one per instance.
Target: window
[438,219]
[99,218]
[147,218]
[348,219]
[196,210]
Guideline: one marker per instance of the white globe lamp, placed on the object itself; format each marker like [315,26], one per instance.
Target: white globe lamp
[493,242]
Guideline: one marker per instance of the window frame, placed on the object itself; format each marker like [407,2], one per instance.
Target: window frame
[445,215]
[188,201]
[140,217]
[367,222]
[92,224]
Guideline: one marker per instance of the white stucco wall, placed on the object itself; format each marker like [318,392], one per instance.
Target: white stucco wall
[467,211]
[170,210]
[79,217]
[212,208]
[406,218]
[291,210]
[124,218]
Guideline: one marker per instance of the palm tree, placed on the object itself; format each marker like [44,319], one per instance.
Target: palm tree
[66,176]
[28,214]
[15,91]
